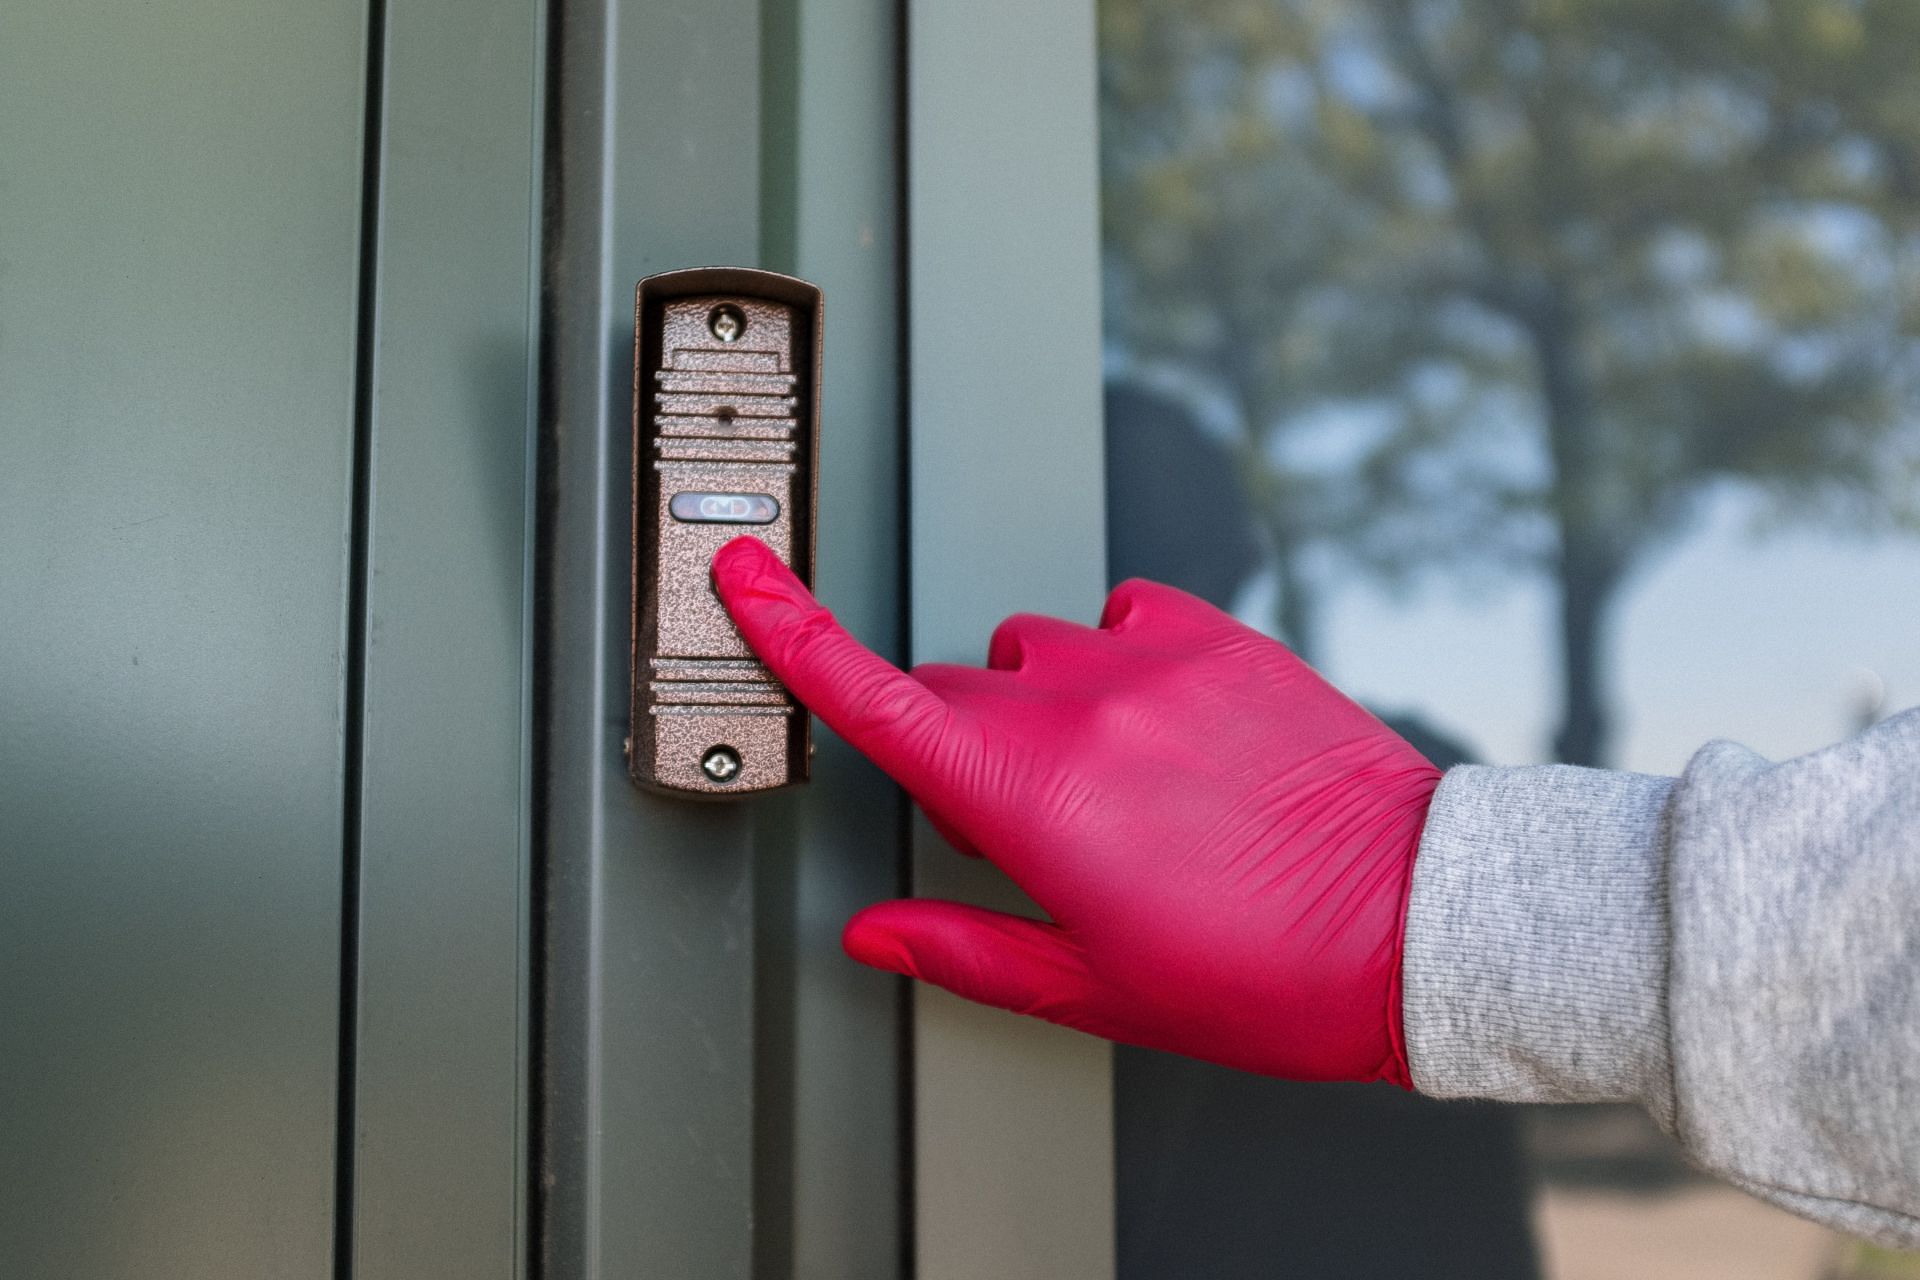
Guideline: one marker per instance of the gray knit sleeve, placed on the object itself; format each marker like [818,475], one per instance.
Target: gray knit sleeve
[1738,950]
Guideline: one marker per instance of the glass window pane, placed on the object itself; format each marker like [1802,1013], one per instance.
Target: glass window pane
[1544,371]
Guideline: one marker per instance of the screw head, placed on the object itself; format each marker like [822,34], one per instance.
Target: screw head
[721,764]
[726,322]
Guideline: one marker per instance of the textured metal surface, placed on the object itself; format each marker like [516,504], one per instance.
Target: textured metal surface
[179,225]
[718,353]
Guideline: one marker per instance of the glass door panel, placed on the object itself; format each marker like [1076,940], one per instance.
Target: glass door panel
[1543,373]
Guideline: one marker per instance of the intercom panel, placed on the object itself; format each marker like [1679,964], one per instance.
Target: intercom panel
[726,407]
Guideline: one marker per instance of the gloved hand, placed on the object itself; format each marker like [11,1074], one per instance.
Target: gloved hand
[1223,840]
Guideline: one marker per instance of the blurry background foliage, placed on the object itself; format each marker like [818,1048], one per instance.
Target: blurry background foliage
[1506,287]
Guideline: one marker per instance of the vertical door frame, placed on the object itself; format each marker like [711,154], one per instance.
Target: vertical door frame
[707,1060]
[1013,1135]
[434,1056]
[645,921]
[719,1086]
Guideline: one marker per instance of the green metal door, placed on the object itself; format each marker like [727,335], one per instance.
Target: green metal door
[178,324]
[268,290]
[336,941]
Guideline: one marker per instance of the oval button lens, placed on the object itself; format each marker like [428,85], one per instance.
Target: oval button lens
[724,508]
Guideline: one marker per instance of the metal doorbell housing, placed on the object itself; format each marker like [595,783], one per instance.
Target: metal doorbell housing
[726,409]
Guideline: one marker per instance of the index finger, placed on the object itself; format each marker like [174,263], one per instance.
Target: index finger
[885,714]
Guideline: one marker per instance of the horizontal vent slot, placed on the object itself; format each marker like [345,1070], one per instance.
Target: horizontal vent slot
[682,709]
[725,450]
[749,472]
[693,693]
[721,669]
[715,429]
[720,406]
[730,383]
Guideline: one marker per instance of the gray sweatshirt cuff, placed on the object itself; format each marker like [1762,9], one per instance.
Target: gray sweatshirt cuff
[1537,939]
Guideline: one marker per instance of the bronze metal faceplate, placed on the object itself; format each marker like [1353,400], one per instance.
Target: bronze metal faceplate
[725,415]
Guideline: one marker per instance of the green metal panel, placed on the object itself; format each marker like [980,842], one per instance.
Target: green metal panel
[647,1019]
[830,1031]
[179,222]
[720,1083]
[438,1154]
[1013,1120]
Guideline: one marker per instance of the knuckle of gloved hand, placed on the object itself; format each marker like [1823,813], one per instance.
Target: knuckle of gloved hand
[1130,603]
[1126,717]
[878,703]
[1004,643]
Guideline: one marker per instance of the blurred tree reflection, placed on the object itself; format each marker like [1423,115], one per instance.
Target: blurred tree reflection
[1511,285]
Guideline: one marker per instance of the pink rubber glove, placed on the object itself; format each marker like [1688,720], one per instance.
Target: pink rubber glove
[1223,840]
